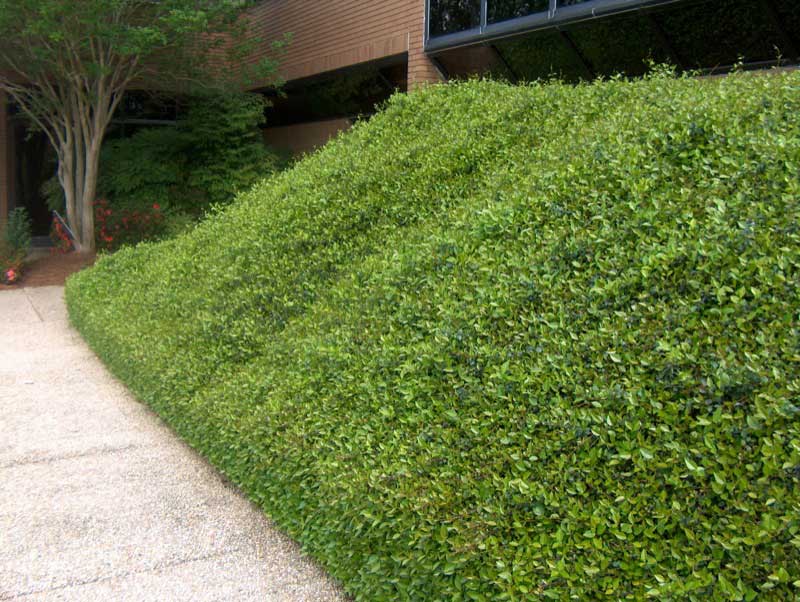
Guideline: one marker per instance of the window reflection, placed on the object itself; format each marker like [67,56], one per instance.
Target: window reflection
[451,16]
[501,10]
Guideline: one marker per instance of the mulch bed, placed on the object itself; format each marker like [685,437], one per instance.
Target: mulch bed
[51,270]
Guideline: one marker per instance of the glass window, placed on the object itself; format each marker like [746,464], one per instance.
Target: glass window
[619,44]
[713,34]
[451,16]
[540,56]
[502,10]
[569,2]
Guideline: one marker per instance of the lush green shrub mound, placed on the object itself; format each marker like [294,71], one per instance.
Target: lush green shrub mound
[501,343]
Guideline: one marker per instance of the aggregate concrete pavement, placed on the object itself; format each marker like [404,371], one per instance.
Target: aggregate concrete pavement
[99,500]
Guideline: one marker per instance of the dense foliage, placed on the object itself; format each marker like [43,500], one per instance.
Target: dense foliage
[501,343]
[214,151]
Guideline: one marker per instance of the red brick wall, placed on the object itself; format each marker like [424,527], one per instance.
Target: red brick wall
[420,68]
[341,33]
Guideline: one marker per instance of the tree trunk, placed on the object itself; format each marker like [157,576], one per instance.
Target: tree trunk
[77,172]
[67,166]
[73,106]
[91,167]
[78,168]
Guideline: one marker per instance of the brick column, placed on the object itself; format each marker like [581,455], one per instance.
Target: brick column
[5,159]
[420,68]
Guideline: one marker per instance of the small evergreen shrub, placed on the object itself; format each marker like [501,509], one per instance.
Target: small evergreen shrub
[15,242]
[225,147]
[501,343]
[17,232]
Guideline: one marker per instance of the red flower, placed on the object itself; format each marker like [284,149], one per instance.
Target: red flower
[156,206]
[11,275]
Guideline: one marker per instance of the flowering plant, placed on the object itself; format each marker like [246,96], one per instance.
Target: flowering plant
[116,227]
[10,266]
[62,242]
[15,241]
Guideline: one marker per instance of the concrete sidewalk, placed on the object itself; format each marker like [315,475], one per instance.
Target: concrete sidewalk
[100,501]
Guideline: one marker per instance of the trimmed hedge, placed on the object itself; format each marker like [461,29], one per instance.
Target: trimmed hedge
[501,343]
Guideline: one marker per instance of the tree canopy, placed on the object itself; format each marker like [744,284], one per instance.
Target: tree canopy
[67,65]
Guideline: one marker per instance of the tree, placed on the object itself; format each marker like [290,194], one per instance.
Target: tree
[67,64]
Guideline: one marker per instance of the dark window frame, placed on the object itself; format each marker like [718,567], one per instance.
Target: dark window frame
[555,16]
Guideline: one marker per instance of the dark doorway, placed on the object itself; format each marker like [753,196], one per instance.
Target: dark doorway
[35,164]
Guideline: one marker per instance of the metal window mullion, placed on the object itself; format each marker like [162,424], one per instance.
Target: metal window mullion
[484,14]
[426,29]
[553,8]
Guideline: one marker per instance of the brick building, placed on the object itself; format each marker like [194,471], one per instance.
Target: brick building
[348,55]
[376,45]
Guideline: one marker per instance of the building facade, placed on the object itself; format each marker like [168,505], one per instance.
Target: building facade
[347,56]
[348,53]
